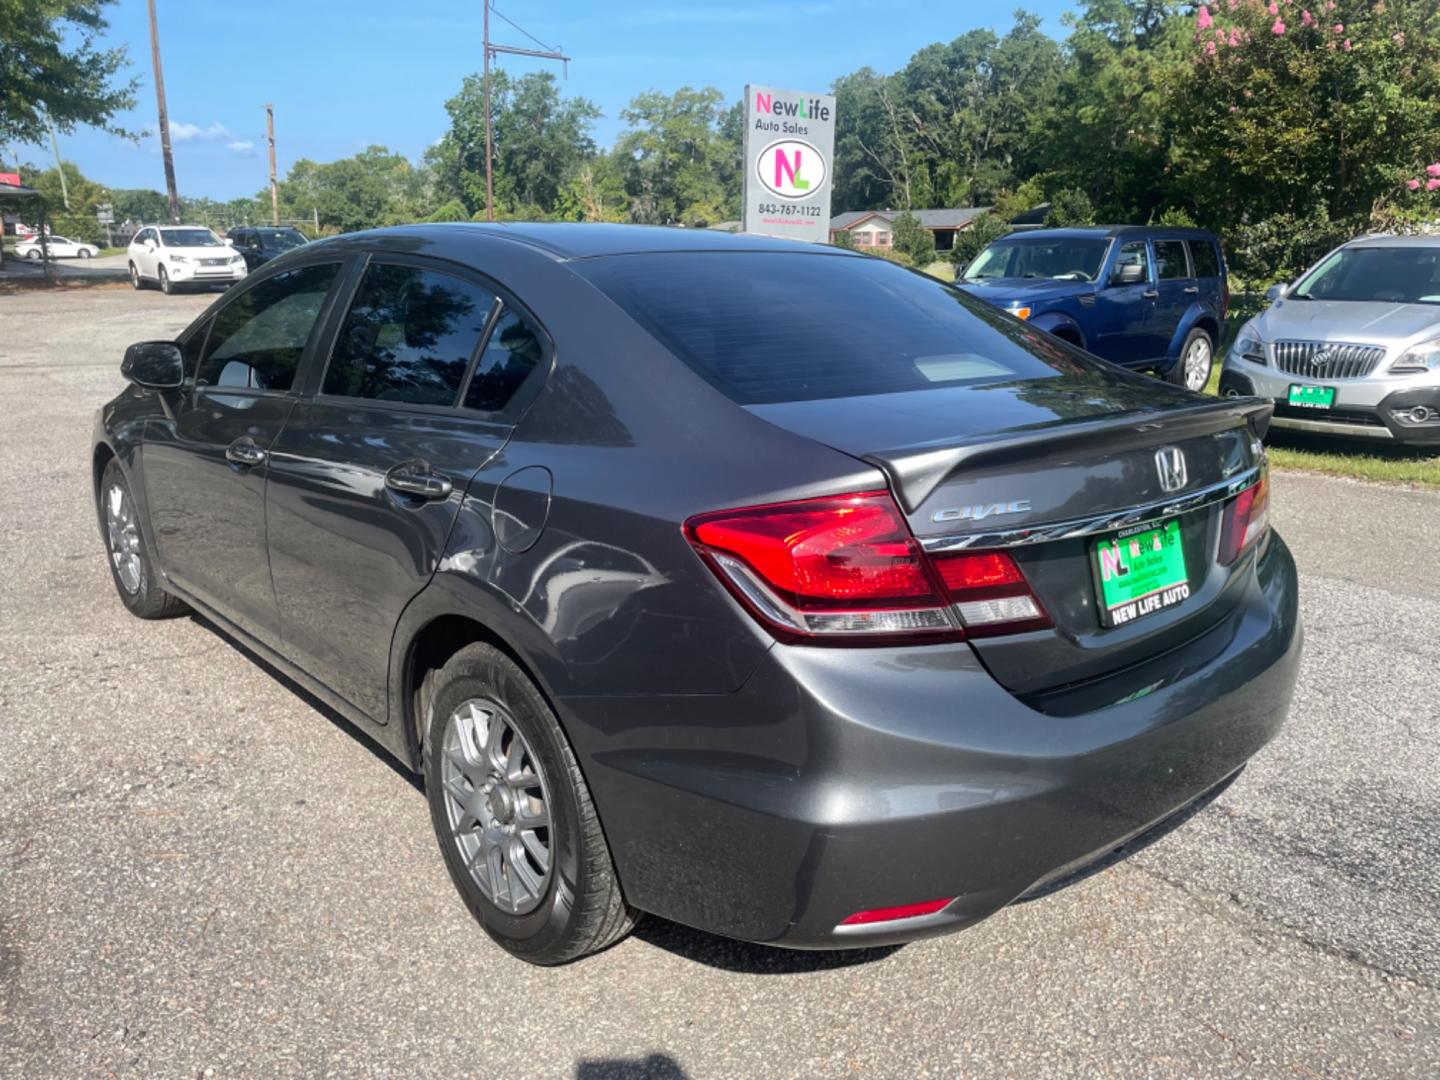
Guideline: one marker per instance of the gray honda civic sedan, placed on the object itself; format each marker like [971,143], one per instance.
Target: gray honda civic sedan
[765,587]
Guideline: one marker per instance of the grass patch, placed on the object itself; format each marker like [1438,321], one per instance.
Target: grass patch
[944,270]
[1419,466]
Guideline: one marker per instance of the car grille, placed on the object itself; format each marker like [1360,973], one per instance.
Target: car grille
[1327,360]
[213,262]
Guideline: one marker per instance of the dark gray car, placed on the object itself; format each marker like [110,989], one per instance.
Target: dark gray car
[765,587]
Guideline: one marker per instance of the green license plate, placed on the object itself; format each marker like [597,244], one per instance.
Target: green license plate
[1140,573]
[1312,397]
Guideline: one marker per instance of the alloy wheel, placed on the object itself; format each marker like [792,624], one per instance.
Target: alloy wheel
[497,805]
[1197,364]
[124,538]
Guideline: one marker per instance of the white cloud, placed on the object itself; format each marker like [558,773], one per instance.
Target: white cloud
[240,146]
[183,132]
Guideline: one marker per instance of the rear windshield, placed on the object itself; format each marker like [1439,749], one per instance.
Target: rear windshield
[769,327]
[1396,275]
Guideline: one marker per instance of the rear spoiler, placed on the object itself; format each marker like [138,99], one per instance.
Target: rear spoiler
[915,471]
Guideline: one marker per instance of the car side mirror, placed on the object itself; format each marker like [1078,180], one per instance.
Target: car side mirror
[1128,274]
[154,365]
[1275,292]
[149,245]
[229,242]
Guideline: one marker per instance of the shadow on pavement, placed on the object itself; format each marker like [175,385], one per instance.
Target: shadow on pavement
[654,1067]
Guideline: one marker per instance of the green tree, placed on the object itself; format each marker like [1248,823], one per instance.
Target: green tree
[914,239]
[375,187]
[51,63]
[139,205]
[982,232]
[77,222]
[672,156]
[539,139]
[1070,206]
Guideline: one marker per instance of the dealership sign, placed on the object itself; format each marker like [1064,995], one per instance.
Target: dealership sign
[789,144]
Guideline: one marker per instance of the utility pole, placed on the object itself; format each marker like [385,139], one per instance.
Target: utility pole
[164,119]
[274,189]
[492,51]
[59,168]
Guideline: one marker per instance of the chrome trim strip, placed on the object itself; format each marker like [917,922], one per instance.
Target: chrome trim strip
[1331,427]
[1115,519]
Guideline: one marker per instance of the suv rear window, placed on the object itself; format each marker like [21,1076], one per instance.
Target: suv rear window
[766,326]
[1202,255]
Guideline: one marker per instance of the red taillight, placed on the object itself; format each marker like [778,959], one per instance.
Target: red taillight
[990,593]
[1246,519]
[847,566]
[904,911]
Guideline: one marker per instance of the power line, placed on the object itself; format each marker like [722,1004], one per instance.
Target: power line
[501,15]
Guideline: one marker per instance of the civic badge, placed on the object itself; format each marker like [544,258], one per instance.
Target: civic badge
[1170,464]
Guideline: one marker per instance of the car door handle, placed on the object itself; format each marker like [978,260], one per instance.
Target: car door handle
[243,451]
[418,479]
[1150,295]
[1193,290]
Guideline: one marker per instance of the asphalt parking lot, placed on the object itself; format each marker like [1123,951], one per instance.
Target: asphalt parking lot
[204,874]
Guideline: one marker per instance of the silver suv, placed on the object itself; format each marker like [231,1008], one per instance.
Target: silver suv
[1353,347]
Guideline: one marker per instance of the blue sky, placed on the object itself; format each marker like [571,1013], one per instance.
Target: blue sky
[344,75]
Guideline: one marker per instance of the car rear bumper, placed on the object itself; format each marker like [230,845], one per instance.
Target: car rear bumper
[841,780]
[1374,409]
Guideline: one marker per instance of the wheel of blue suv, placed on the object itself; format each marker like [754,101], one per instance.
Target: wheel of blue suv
[128,555]
[513,815]
[1197,358]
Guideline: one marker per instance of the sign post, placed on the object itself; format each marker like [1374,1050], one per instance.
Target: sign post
[789,150]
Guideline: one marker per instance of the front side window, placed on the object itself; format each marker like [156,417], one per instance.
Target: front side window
[1135,253]
[1170,260]
[408,337]
[257,339]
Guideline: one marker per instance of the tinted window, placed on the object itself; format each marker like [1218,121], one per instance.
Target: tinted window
[191,349]
[766,327]
[1202,254]
[1134,253]
[1170,260]
[258,339]
[189,238]
[408,337]
[511,354]
[1065,258]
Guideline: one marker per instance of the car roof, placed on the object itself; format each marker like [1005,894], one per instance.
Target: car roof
[1382,240]
[1106,232]
[586,240]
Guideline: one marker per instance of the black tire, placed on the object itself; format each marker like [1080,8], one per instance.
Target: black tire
[33,253]
[1176,375]
[581,909]
[85,253]
[136,281]
[146,597]
[165,286]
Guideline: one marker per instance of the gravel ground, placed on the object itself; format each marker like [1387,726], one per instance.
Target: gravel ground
[202,873]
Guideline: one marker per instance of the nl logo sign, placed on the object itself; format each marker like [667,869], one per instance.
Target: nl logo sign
[789,140]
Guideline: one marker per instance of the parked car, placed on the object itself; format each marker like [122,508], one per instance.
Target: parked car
[1353,347]
[259,244]
[1149,298]
[60,248]
[762,586]
[177,255]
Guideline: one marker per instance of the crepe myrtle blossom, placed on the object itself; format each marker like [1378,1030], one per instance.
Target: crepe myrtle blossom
[1278,28]
[1413,185]
[1273,8]
[1433,170]
[1306,19]
[1432,184]
[1338,28]
[1235,38]
[1203,21]
[1347,44]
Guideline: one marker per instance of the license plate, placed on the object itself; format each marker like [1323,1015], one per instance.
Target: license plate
[1312,397]
[1140,573]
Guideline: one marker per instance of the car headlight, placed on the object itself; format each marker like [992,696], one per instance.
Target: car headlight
[1418,359]
[237,258]
[180,258]
[1248,345]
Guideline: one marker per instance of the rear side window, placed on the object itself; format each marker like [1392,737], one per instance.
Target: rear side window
[510,355]
[1207,263]
[408,337]
[258,338]
[1170,260]
[768,326]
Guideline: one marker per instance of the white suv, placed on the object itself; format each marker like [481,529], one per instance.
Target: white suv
[175,255]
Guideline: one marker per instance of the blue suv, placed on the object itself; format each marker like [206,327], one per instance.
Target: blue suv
[1152,298]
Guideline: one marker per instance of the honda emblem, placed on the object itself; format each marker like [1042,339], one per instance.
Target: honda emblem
[1170,464]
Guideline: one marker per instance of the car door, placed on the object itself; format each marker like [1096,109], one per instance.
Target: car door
[1175,291]
[1209,282]
[144,254]
[205,465]
[1123,311]
[368,475]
